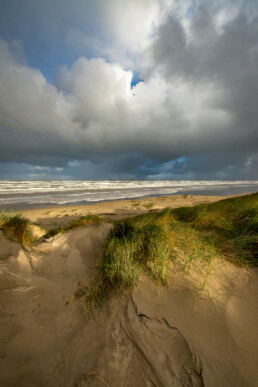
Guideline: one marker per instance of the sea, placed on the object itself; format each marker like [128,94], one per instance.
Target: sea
[24,194]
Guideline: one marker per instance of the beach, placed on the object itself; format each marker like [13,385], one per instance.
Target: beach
[148,335]
[49,217]
[35,194]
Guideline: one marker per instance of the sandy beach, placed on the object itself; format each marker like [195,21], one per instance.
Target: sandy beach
[151,336]
[59,216]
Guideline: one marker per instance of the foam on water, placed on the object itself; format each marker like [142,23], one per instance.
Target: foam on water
[57,192]
[7,186]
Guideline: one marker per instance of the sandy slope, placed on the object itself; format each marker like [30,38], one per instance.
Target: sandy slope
[152,337]
[220,324]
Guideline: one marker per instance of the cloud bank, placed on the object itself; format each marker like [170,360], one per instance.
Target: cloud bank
[193,114]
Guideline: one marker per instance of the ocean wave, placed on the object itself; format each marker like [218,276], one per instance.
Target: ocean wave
[28,186]
[58,192]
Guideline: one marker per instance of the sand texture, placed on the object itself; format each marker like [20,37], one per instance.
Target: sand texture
[152,336]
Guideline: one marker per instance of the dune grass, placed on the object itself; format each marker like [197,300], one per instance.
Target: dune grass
[80,222]
[230,224]
[48,213]
[186,238]
[15,227]
[148,205]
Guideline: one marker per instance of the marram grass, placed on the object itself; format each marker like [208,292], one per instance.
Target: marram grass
[80,222]
[15,227]
[187,238]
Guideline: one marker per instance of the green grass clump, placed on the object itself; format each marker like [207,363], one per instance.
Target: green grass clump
[148,205]
[80,222]
[48,213]
[130,250]
[136,203]
[187,238]
[146,245]
[232,225]
[15,227]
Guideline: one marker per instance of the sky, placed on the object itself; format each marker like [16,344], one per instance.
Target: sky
[129,89]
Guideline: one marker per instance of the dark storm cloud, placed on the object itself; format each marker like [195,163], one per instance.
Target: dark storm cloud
[226,57]
[198,99]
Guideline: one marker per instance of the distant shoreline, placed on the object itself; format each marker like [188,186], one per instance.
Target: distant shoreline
[22,206]
[37,194]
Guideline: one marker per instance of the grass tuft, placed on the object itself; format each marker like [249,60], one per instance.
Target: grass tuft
[148,205]
[80,222]
[15,227]
[230,224]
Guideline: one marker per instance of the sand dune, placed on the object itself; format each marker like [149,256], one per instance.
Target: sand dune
[150,337]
